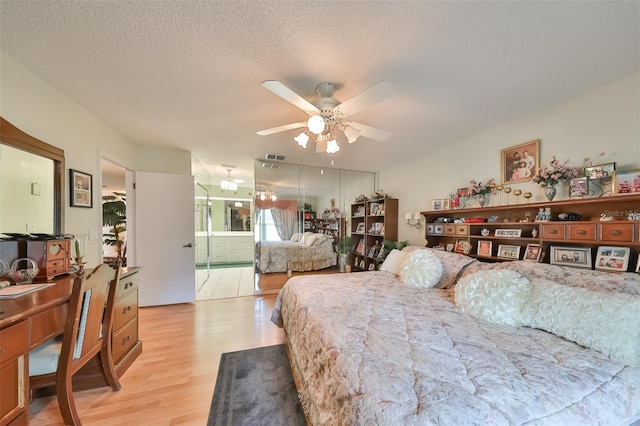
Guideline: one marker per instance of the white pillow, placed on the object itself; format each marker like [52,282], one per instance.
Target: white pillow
[421,269]
[393,261]
[607,322]
[295,237]
[498,296]
[309,239]
[319,239]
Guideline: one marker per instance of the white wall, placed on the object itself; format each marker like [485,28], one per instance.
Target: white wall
[42,111]
[606,119]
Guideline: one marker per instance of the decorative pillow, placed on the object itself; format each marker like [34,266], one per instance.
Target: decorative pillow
[421,269]
[306,236]
[452,264]
[497,296]
[393,261]
[295,237]
[320,238]
[309,239]
[604,321]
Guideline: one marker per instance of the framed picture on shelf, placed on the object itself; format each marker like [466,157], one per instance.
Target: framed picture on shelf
[509,252]
[462,246]
[484,248]
[360,228]
[579,187]
[446,203]
[372,252]
[533,252]
[436,204]
[613,258]
[464,192]
[571,256]
[454,201]
[520,162]
[81,189]
[600,171]
[626,182]
[512,233]
[360,248]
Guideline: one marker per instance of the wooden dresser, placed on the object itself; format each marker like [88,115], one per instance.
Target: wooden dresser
[28,321]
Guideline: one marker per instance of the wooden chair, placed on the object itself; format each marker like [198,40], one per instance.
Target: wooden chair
[86,334]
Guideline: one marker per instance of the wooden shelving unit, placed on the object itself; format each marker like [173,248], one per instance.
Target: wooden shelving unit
[589,231]
[372,222]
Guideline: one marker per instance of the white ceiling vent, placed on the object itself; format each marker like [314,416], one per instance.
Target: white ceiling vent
[274,157]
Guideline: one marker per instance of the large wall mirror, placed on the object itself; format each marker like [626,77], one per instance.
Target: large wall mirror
[294,202]
[31,183]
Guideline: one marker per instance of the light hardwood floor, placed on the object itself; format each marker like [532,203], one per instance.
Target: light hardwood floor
[172,382]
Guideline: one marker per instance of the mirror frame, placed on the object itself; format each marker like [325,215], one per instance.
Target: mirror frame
[16,138]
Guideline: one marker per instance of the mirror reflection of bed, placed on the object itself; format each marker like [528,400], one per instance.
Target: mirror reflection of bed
[293,206]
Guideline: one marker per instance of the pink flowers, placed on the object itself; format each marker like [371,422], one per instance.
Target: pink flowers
[554,172]
[478,188]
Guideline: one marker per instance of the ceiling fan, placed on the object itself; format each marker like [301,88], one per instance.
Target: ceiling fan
[328,116]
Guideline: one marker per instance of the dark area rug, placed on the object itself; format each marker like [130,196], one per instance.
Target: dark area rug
[255,387]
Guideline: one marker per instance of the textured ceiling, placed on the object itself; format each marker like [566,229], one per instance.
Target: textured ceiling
[187,74]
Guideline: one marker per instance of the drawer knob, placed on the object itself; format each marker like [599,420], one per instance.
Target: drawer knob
[616,232]
[125,340]
[127,285]
[553,231]
[127,309]
[582,232]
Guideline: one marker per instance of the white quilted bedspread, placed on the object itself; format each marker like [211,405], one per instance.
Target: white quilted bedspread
[369,350]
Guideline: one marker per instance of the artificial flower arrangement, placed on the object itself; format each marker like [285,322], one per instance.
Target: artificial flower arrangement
[552,173]
[361,198]
[478,188]
[379,194]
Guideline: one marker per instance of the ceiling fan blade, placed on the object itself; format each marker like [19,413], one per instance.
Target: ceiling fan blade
[371,132]
[379,92]
[290,96]
[284,128]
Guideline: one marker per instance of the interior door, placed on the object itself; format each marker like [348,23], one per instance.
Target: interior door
[165,238]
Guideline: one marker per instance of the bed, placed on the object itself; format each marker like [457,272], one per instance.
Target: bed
[369,349]
[304,252]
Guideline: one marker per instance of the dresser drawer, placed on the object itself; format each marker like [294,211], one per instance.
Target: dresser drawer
[449,229]
[14,341]
[617,232]
[585,231]
[127,284]
[124,339]
[553,232]
[48,324]
[462,230]
[125,309]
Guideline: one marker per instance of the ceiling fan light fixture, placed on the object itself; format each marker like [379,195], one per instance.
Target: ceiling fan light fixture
[351,133]
[228,184]
[332,147]
[302,139]
[316,124]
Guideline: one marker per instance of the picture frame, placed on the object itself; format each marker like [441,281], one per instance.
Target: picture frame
[508,252]
[436,204]
[511,160]
[610,258]
[372,252]
[80,189]
[454,201]
[626,182]
[360,228]
[462,246]
[510,233]
[446,204]
[579,257]
[579,187]
[600,171]
[533,253]
[485,248]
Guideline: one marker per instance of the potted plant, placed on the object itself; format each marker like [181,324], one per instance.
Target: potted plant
[390,245]
[343,248]
[114,215]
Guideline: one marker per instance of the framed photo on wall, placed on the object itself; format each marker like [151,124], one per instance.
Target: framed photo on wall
[80,189]
[571,256]
[626,182]
[520,163]
[613,258]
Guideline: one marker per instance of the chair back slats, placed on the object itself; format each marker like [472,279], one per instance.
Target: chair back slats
[89,312]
